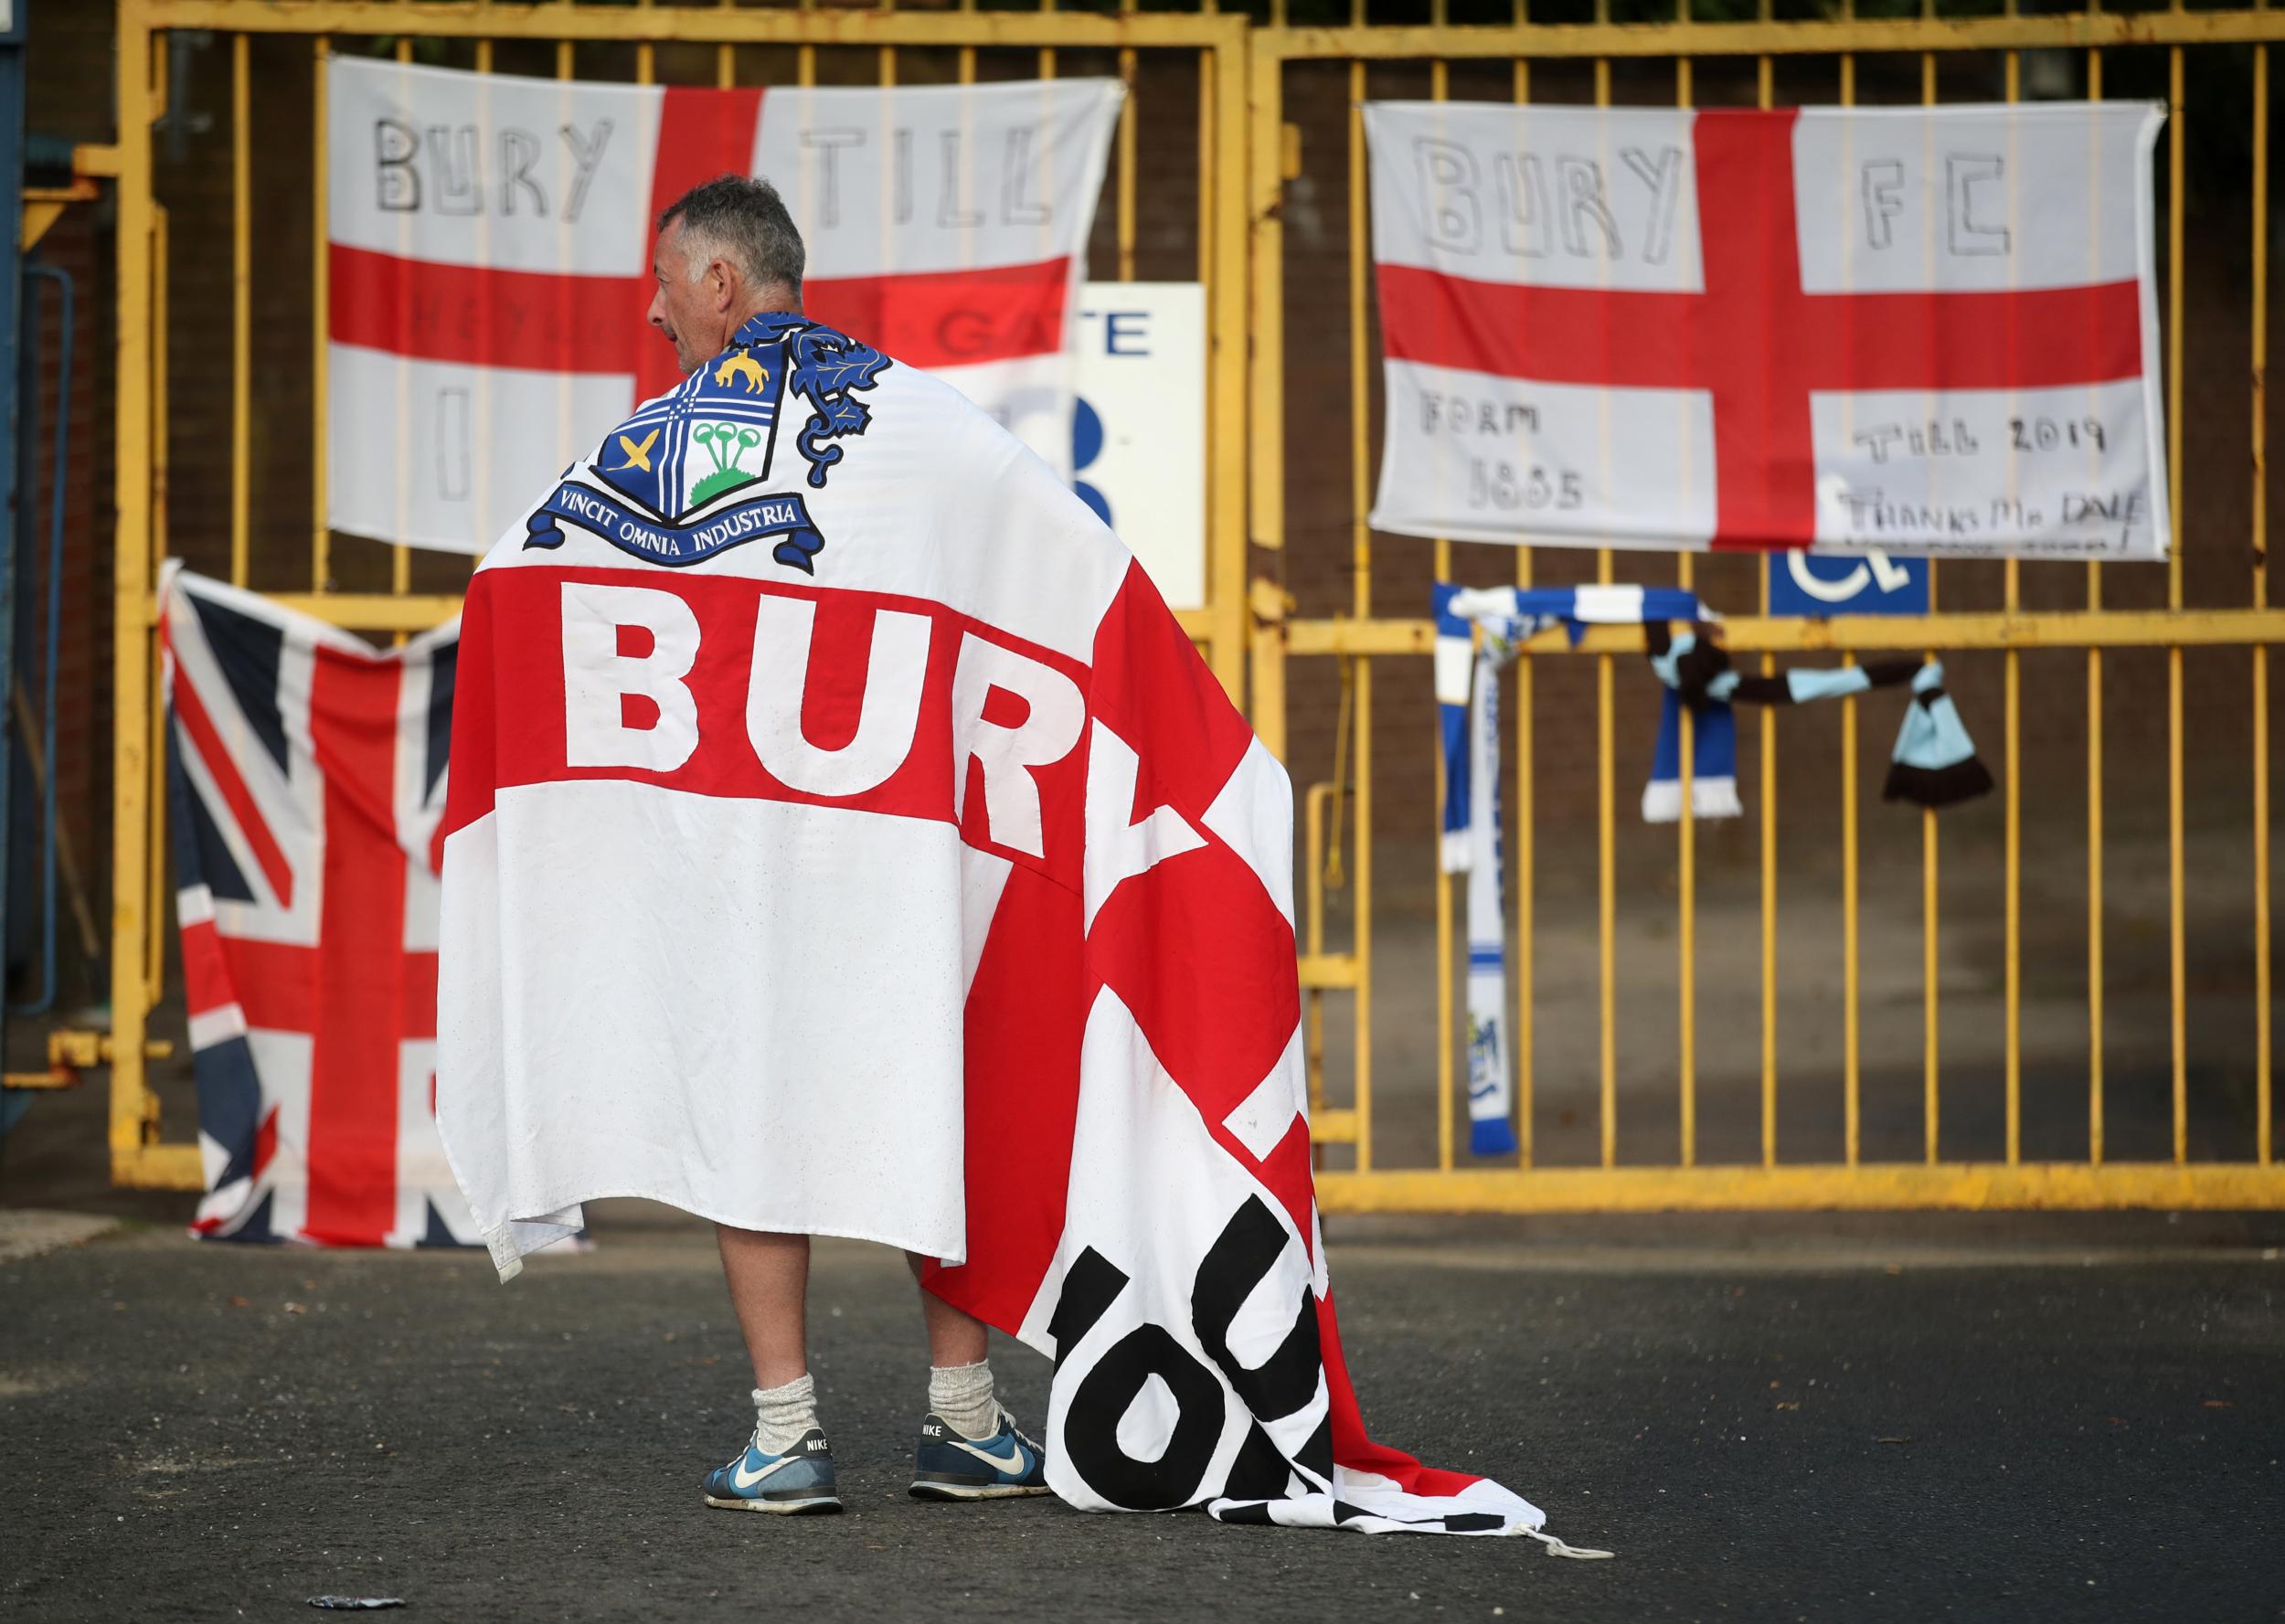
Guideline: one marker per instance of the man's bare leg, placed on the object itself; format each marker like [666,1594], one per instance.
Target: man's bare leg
[956,1337]
[970,1446]
[787,1467]
[769,1279]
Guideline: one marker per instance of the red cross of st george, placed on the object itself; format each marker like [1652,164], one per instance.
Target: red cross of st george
[545,321]
[1754,340]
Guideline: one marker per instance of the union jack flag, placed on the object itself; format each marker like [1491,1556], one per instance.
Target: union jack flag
[305,781]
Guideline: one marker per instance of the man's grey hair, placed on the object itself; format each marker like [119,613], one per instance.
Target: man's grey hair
[742,219]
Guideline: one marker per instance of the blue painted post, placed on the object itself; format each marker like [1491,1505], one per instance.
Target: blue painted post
[12,515]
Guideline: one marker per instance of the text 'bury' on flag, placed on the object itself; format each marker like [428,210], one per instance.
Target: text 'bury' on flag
[489,260]
[1916,330]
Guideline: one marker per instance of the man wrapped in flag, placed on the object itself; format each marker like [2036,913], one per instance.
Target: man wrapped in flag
[843,838]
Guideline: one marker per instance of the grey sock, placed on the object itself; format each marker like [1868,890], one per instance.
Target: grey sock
[782,1414]
[962,1394]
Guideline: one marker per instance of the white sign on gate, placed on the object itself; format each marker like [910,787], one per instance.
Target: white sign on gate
[1138,437]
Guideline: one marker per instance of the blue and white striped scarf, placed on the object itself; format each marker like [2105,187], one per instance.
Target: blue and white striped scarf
[1480,630]
[1468,707]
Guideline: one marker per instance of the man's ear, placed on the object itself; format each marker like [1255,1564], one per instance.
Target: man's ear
[723,283]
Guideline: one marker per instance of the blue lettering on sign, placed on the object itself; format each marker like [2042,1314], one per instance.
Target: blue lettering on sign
[1870,583]
[677,545]
[1087,444]
[1126,333]
[1121,339]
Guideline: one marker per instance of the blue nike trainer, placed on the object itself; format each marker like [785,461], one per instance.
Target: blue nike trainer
[949,1466]
[798,1483]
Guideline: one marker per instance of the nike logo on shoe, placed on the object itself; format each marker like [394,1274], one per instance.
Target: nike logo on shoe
[1013,1462]
[747,1479]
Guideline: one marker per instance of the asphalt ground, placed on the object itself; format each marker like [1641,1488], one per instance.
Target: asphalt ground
[1819,1420]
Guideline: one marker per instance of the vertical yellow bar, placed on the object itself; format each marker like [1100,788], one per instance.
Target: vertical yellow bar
[567,67]
[1851,978]
[645,54]
[1765,89]
[1606,892]
[2261,1033]
[1047,55]
[889,52]
[162,325]
[1265,315]
[805,58]
[1852,1078]
[1206,148]
[162,418]
[321,534]
[1205,140]
[1360,604]
[1442,942]
[1440,85]
[2094,883]
[132,1108]
[2011,588]
[2094,802]
[1128,120]
[1931,1105]
[1313,879]
[1606,812]
[1222,261]
[1765,68]
[726,58]
[1848,60]
[1686,822]
[2177,967]
[241,313]
[1525,879]
[399,555]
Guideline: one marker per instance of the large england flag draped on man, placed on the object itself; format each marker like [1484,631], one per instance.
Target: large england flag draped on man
[489,260]
[305,794]
[860,847]
[1920,330]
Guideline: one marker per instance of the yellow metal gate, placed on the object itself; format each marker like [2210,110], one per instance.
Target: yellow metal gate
[1260,174]
[717,43]
[1674,62]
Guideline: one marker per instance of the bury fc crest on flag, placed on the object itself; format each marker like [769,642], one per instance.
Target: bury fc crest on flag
[684,477]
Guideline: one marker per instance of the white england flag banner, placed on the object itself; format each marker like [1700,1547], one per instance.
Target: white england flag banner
[1928,331]
[489,260]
